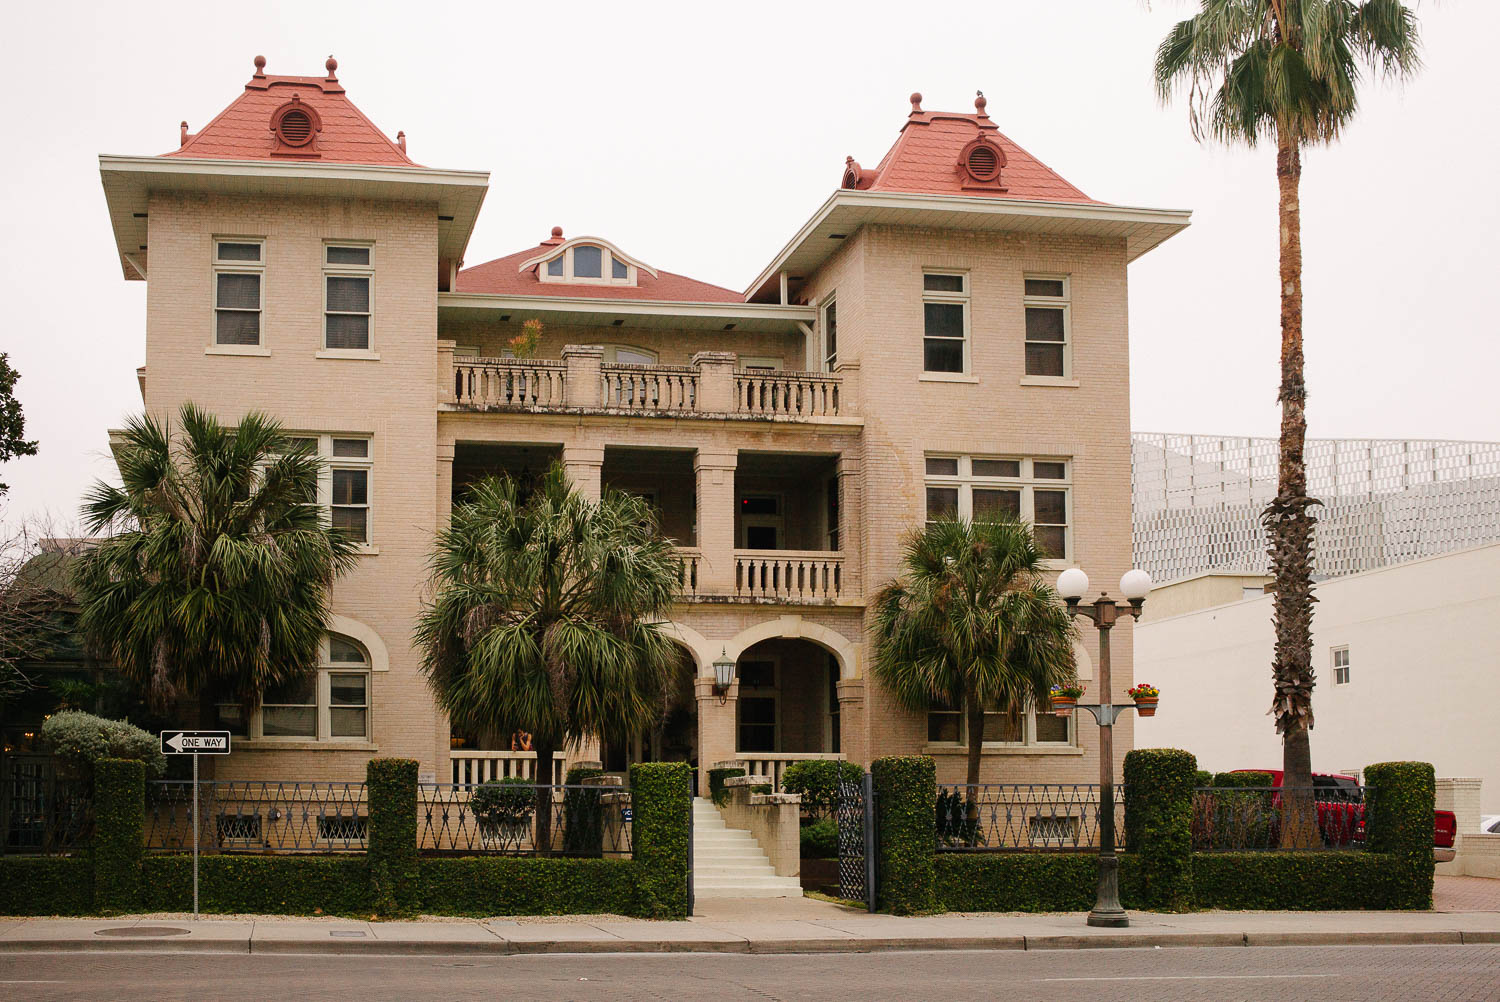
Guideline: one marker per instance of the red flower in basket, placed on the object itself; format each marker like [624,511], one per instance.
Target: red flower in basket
[1065,698]
[1145,695]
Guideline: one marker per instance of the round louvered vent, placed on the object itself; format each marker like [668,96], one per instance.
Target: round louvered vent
[296,128]
[983,163]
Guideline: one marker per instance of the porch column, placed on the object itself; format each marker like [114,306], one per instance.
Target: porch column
[854,736]
[715,380]
[850,481]
[584,465]
[716,731]
[582,386]
[446,385]
[444,483]
[715,486]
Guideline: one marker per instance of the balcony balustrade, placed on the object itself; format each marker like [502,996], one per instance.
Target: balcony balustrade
[789,575]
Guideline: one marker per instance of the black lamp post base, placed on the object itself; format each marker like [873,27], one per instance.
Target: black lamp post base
[1109,920]
[1107,911]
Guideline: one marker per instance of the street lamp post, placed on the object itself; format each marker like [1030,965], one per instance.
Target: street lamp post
[1072,585]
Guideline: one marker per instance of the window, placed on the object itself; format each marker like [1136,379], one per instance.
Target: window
[947,725]
[759,363]
[330,703]
[588,264]
[344,484]
[1048,350]
[1341,666]
[945,323]
[830,336]
[347,277]
[757,706]
[761,521]
[239,294]
[981,488]
[624,354]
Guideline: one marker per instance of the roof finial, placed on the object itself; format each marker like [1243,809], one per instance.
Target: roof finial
[331,65]
[401,141]
[557,233]
[260,67]
[979,103]
[916,102]
[183,128]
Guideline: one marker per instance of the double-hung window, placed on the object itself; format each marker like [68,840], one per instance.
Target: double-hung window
[945,322]
[947,724]
[1048,345]
[984,488]
[239,291]
[344,485]
[329,703]
[348,290]
[1341,666]
[830,336]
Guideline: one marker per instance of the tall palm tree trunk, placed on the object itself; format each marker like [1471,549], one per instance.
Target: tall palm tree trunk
[974,710]
[1291,524]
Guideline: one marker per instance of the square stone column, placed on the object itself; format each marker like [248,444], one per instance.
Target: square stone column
[444,484]
[445,380]
[715,380]
[717,735]
[582,387]
[854,735]
[585,465]
[851,488]
[1461,796]
[715,484]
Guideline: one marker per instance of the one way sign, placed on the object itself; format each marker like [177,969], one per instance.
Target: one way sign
[195,742]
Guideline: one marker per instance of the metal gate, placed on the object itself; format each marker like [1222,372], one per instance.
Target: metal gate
[855,817]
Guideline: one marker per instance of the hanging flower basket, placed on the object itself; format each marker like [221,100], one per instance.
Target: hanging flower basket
[1145,695]
[1065,698]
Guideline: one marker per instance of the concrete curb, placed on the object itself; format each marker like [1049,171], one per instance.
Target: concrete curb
[735,945]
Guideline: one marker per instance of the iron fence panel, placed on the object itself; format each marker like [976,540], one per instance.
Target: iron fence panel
[502,818]
[1051,817]
[258,817]
[853,814]
[1253,818]
[44,814]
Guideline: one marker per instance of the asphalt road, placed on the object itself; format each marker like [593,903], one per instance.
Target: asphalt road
[1407,973]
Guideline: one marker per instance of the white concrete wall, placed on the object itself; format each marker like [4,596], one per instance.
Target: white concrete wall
[1425,674]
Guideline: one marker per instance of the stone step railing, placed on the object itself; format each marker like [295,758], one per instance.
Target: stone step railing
[486,766]
[789,575]
[773,765]
[582,382]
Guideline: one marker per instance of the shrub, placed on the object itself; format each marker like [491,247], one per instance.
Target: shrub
[954,826]
[1399,801]
[266,885]
[1026,881]
[716,789]
[905,805]
[1158,824]
[490,885]
[661,795]
[119,833]
[820,840]
[506,804]
[818,782]
[1202,777]
[46,885]
[1297,881]
[80,740]
[391,784]
[1232,780]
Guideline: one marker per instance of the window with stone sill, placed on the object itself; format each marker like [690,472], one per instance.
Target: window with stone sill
[348,296]
[1049,349]
[239,291]
[344,482]
[945,322]
[977,488]
[331,703]
[948,725]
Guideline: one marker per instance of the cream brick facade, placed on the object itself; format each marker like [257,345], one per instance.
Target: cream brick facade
[704,433]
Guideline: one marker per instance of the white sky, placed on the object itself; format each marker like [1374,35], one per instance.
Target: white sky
[700,136]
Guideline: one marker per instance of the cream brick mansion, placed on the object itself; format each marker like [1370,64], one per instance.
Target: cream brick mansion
[946,333]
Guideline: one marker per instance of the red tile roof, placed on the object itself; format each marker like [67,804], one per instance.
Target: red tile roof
[243,130]
[925,160]
[503,277]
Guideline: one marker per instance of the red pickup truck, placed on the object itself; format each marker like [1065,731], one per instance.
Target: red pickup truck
[1341,813]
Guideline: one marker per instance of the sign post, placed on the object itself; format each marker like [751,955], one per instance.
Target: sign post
[195,743]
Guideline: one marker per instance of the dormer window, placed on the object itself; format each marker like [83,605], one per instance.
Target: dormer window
[586,261]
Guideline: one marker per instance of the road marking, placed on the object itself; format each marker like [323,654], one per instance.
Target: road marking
[33,982]
[1197,977]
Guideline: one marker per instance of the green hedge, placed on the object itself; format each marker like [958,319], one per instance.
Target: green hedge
[119,833]
[391,787]
[46,885]
[905,806]
[483,886]
[820,840]
[1158,824]
[817,781]
[261,885]
[1027,882]
[1239,780]
[1399,800]
[716,789]
[583,814]
[661,797]
[1298,881]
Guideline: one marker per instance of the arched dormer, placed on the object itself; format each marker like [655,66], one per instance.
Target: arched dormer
[587,261]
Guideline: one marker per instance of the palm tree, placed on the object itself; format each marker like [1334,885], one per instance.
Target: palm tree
[546,617]
[1285,71]
[218,582]
[972,625]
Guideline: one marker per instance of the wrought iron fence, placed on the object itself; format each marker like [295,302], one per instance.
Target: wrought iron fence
[1254,818]
[504,818]
[1022,816]
[258,817]
[45,815]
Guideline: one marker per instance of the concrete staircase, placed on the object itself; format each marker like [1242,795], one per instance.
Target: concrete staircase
[729,863]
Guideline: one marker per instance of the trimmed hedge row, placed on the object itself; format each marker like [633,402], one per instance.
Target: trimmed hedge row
[46,885]
[662,799]
[1240,780]
[1158,824]
[391,786]
[1027,882]
[483,886]
[905,806]
[119,833]
[261,885]
[1298,881]
[1399,801]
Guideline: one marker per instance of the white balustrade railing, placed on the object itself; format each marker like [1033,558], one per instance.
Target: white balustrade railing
[786,394]
[508,382]
[687,578]
[649,387]
[774,764]
[483,766]
[791,575]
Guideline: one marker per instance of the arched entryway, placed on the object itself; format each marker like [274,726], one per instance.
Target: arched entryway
[788,698]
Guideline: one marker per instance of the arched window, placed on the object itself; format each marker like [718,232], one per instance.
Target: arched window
[330,703]
[587,264]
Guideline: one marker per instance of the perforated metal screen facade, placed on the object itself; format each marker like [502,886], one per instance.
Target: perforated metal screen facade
[1198,498]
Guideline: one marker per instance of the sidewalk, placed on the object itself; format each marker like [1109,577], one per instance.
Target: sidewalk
[741,927]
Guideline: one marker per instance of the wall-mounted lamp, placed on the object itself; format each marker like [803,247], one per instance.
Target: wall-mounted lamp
[723,675]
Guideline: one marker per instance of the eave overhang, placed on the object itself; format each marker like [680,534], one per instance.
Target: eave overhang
[602,312]
[129,181]
[847,210]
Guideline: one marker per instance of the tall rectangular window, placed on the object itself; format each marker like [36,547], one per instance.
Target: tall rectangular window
[1341,666]
[350,481]
[239,293]
[348,277]
[830,336]
[1048,349]
[945,323]
[981,488]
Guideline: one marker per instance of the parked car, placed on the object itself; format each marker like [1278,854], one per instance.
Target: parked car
[1489,824]
[1341,813]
